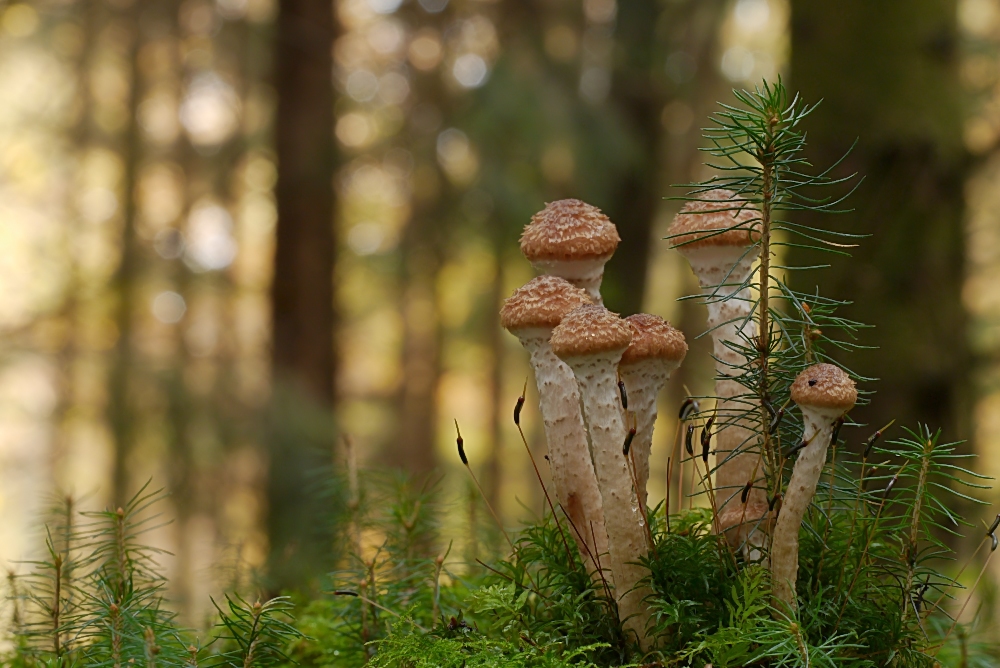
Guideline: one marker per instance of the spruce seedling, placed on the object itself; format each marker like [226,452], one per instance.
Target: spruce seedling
[255,635]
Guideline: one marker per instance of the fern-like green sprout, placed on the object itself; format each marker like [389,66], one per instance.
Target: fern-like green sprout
[95,599]
[254,635]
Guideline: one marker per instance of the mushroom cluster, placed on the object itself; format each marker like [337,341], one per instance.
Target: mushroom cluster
[598,451]
[599,375]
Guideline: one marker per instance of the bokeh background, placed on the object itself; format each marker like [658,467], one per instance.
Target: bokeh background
[235,232]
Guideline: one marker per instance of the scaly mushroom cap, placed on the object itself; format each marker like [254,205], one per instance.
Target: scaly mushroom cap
[590,330]
[653,337]
[569,230]
[737,515]
[824,386]
[541,302]
[717,218]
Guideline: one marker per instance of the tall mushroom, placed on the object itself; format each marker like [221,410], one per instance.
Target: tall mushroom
[718,234]
[656,350]
[530,314]
[573,240]
[824,393]
[591,340]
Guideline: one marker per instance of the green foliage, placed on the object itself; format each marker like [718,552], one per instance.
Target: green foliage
[464,647]
[96,599]
[539,604]
[121,618]
[536,607]
[403,573]
[557,600]
[254,634]
[691,573]
[755,635]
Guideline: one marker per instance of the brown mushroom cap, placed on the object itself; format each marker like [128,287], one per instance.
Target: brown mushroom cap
[736,514]
[699,223]
[653,337]
[569,230]
[590,330]
[541,302]
[824,386]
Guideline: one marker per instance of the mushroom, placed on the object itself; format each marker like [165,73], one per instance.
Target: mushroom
[530,314]
[718,234]
[591,340]
[573,240]
[656,350]
[824,392]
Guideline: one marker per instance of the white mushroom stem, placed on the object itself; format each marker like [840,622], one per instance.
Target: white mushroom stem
[626,524]
[721,271]
[585,274]
[643,382]
[819,424]
[569,454]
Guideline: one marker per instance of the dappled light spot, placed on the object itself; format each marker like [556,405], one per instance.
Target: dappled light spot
[354,130]
[365,238]
[210,243]
[470,70]
[425,50]
[168,307]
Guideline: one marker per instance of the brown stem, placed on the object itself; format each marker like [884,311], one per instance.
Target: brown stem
[910,554]
[56,606]
[116,636]
[764,328]
[255,612]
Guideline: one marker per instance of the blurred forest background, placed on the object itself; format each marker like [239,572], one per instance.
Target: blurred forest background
[234,231]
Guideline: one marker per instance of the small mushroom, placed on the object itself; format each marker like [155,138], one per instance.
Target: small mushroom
[530,314]
[656,350]
[573,240]
[591,340]
[718,236]
[824,393]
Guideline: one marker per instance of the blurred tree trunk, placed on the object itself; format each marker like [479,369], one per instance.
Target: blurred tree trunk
[70,350]
[120,414]
[423,251]
[639,93]
[302,291]
[646,35]
[304,257]
[888,74]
